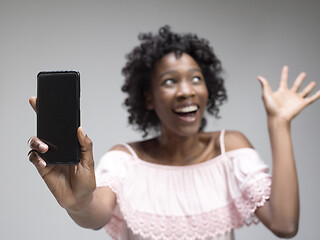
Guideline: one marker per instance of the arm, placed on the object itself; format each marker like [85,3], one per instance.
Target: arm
[281,213]
[97,212]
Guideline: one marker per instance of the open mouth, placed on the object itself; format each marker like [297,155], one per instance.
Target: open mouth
[187,113]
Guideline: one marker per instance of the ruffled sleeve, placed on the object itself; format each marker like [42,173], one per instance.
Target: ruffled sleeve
[112,169]
[252,179]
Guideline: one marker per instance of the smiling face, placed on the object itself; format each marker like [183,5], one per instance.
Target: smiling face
[178,94]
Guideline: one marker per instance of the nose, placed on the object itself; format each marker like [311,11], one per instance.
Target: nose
[185,90]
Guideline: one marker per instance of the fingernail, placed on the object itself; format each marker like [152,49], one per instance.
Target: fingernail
[29,141]
[42,163]
[42,147]
[83,133]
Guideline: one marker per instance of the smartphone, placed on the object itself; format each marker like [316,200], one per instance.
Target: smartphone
[58,115]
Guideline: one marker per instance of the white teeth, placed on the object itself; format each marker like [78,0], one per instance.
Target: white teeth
[187,109]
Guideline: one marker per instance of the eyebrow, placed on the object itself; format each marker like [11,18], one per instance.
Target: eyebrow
[173,71]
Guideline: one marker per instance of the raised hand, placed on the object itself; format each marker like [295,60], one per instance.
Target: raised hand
[286,103]
[72,185]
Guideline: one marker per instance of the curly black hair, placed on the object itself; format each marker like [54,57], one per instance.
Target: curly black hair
[139,66]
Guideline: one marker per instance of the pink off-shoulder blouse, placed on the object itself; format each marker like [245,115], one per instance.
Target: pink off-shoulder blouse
[201,201]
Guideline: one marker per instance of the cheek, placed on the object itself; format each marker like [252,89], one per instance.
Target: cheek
[204,94]
[162,102]
[163,96]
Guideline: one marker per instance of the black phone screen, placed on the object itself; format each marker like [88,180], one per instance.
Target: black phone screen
[58,115]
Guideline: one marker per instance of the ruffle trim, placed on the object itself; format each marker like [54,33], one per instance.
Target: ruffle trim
[113,228]
[220,221]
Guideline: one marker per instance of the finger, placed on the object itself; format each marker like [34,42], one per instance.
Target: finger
[36,160]
[36,144]
[86,148]
[33,103]
[313,98]
[284,78]
[297,83]
[39,163]
[305,92]
[266,88]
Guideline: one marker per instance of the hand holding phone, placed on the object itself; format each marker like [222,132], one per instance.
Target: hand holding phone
[72,185]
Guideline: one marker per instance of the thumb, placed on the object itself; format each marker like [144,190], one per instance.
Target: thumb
[266,89]
[86,144]
[33,103]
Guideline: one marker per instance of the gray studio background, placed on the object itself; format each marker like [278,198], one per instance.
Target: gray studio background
[250,37]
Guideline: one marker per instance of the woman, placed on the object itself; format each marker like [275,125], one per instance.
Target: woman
[184,183]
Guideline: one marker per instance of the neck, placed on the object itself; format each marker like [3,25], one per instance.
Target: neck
[179,150]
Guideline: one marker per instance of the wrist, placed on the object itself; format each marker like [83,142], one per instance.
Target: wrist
[278,126]
[278,123]
[81,206]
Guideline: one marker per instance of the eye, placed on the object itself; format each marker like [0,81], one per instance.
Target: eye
[168,82]
[196,79]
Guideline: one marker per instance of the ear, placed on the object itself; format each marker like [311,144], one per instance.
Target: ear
[148,101]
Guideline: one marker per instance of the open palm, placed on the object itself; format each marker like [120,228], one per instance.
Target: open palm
[286,103]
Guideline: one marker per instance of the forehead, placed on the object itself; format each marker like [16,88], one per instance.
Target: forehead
[170,62]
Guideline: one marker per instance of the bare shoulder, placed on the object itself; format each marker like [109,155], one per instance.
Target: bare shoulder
[234,140]
[137,147]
